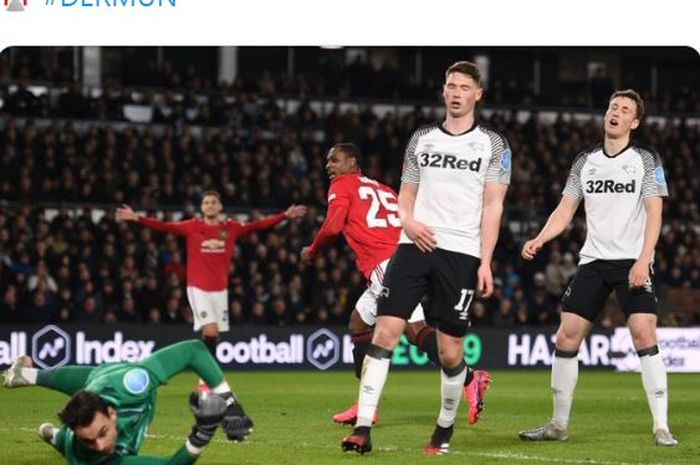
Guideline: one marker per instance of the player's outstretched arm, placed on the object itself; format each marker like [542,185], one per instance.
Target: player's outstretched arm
[332,227]
[208,410]
[293,211]
[126,213]
[421,235]
[556,224]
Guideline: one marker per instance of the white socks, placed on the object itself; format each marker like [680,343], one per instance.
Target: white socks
[451,387]
[655,384]
[564,378]
[375,369]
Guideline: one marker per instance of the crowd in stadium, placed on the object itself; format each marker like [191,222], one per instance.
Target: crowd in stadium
[68,268]
[204,100]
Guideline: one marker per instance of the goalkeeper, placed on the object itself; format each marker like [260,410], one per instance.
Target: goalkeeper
[107,417]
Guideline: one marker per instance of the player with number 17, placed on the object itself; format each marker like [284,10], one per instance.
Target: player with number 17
[366,212]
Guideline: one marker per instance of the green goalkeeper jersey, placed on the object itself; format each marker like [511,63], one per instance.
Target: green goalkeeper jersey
[131,389]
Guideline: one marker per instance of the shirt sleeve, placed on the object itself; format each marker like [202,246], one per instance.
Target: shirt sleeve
[175,227]
[573,186]
[500,163]
[336,217]
[654,181]
[411,171]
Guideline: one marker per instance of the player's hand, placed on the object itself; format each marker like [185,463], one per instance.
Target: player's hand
[295,211]
[208,409]
[639,274]
[305,258]
[531,248]
[484,281]
[126,214]
[421,235]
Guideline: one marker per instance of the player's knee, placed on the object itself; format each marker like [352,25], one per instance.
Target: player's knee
[356,324]
[414,329]
[210,331]
[386,338]
[643,340]
[450,358]
[211,343]
[451,354]
[568,339]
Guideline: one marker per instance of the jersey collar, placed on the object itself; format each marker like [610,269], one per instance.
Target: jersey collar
[442,128]
[629,144]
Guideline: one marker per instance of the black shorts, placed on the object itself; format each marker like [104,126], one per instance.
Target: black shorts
[448,278]
[593,283]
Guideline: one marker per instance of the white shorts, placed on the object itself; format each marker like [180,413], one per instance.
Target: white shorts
[367,303]
[208,307]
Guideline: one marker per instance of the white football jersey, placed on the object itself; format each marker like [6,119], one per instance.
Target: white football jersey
[613,191]
[451,170]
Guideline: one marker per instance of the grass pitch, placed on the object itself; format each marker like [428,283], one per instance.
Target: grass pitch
[611,424]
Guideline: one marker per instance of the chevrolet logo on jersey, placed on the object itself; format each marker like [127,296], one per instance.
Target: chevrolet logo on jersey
[213,244]
[439,160]
[605,186]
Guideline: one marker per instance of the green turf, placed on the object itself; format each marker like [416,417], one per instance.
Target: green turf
[611,423]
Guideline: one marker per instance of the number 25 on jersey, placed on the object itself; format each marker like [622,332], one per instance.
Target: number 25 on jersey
[383,211]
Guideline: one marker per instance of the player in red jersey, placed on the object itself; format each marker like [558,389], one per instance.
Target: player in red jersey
[210,246]
[366,212]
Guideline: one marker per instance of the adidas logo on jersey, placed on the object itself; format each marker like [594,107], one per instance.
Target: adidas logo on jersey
[439,160]
[603,186]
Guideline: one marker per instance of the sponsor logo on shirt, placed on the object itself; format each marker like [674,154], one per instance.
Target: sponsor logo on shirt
[213,245]
[476,146]
[605,186]
[629,169]
[506,159]
[439,160]
[136,381]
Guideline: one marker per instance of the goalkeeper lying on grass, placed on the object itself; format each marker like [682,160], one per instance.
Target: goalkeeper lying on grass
[106,419]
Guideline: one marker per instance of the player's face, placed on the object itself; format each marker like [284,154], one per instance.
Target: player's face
[211,207]
[461,93]
[621,117]
[337,163]
[101,434]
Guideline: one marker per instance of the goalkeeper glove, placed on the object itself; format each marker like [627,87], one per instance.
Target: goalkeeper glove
[208,409]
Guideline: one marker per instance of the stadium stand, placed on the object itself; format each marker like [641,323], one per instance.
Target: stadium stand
[68,157]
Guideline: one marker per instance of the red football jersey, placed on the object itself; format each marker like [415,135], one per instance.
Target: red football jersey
[210,248]
[366,212]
